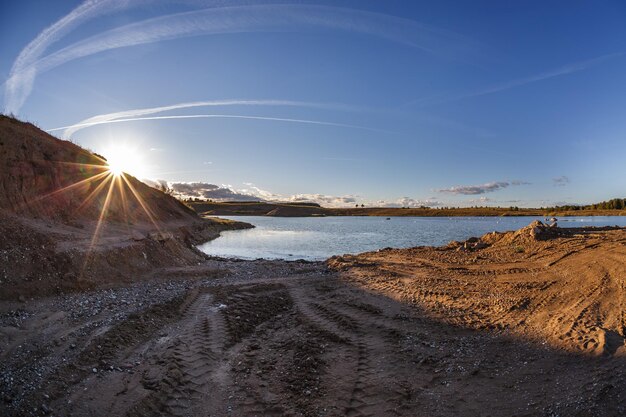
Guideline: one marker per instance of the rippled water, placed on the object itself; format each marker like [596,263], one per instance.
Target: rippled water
[317,238]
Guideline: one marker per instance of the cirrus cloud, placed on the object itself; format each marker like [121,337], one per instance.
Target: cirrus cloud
[217,20]
[141,114]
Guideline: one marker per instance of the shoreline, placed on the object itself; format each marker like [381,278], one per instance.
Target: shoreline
[311,210]
[49,257]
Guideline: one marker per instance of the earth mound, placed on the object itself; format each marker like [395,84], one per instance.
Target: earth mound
[67,222]
[42,176]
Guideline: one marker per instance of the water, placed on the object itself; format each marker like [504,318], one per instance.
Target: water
[318,238]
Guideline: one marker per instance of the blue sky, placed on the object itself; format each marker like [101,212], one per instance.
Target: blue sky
[375,102]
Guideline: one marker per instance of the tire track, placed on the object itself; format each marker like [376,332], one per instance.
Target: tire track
[371,335]
[190,360]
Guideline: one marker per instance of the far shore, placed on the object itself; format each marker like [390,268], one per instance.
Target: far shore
[315,210]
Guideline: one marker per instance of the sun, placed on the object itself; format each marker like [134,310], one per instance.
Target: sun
[124,159]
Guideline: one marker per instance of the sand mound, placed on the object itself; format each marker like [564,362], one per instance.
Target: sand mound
[67,223]
[535,231]
[34,166]
[561,286]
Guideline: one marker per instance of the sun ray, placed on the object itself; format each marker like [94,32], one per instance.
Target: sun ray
[103,212]
[141,202]
[122,193]
[101,218]
[94,193]
[82,164]
[69,187]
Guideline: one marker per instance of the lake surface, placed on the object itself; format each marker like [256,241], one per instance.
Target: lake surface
[318,238]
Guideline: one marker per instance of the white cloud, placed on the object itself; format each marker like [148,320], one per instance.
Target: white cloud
[116,118]
[226,192]
[324,200]
[476,189]
[24,69]
[209,191]
[481,189]
[480,200]
[409,202]
[262,194]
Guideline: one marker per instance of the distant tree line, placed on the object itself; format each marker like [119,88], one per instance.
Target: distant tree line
[613,204]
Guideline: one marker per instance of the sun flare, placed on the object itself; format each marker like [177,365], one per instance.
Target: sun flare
[124,159]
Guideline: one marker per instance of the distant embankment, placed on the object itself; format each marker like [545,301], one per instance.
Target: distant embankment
[260,209]
[312,209]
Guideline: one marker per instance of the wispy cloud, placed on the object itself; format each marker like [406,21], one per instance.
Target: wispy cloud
[135,114]
[250,18]
[481,189]
[226,116]
[24,69]
[496,88]
[561,181]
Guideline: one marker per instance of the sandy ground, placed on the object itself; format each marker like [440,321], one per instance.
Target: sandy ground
[519,328]
[43,257]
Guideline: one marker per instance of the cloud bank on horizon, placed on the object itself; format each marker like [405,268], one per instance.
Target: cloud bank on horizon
[220,193]
[225,193]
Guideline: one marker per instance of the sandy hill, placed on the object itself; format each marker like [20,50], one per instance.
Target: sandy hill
[35,166]
[66,222]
